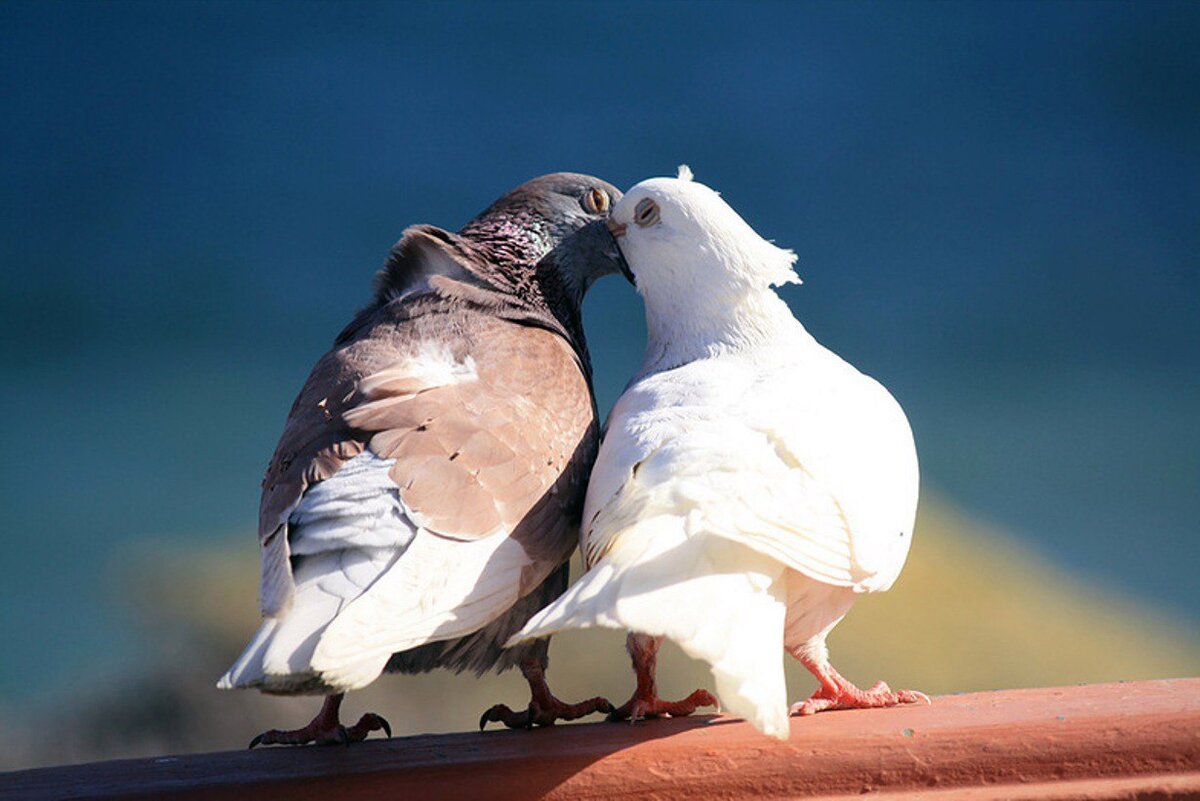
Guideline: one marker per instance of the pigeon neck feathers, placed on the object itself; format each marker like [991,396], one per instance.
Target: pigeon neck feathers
[681,330]
[706,276]
[522,262]
[504,269]
[528,258]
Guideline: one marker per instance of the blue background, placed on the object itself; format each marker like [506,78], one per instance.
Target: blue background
[996,207]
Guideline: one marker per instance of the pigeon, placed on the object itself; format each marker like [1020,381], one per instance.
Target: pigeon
[751,484]
[425,495]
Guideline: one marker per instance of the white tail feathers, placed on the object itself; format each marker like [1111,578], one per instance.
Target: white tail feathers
[440,589]
[720,601]
[278,658]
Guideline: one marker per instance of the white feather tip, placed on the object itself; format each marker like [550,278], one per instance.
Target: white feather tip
[685,173]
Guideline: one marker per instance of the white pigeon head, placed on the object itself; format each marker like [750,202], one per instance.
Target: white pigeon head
[679,237]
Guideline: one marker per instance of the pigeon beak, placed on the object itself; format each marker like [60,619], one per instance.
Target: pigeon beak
[616,229]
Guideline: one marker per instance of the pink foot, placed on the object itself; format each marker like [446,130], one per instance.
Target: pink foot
[839,693]
[648,707]
[645,703]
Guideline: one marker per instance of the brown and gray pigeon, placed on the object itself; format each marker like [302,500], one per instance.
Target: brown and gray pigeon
[426,492]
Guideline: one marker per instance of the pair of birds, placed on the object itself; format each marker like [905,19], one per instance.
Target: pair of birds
[442,459]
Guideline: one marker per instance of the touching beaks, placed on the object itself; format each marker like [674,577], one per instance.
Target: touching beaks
[615,228]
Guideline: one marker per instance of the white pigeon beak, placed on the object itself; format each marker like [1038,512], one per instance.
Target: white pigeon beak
[615,228]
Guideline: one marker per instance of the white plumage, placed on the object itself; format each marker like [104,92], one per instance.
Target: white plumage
[750,482]
[345,533]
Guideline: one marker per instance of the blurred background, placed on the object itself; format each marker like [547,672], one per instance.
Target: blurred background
[996,208]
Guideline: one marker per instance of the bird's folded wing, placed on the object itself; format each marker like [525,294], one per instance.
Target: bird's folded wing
[746,484]
[489,426]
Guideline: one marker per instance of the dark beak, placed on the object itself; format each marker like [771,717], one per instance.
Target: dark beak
[589,253]
[615,230]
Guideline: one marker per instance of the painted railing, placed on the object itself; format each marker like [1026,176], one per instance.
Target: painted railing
[1128,740]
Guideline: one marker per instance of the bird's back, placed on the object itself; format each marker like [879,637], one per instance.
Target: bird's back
[795,417]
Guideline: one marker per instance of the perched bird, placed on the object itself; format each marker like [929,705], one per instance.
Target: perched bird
[425,495]
[751,484]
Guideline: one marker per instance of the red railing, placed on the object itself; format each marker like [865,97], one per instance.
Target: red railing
[1131,740]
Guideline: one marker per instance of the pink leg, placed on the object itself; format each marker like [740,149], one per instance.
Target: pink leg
[544,709]
[325,728]
[836,692]
[645,702]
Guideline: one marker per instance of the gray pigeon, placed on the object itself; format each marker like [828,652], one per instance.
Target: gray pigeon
[426,492]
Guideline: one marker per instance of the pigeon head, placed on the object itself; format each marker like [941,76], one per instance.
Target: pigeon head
[551,228]
[535,252]
[679,237]
[706,277]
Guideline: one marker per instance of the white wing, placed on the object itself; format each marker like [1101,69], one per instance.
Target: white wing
[344,534]
[824,482]
[440,589]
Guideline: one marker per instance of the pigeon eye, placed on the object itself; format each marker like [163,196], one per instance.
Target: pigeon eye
[646,213]
[595,201]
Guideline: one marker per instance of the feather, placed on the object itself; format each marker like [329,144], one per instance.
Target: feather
[727,607]
[440,589]
[462,503]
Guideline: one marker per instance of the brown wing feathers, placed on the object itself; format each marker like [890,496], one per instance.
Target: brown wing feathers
[473,456]
[480,443]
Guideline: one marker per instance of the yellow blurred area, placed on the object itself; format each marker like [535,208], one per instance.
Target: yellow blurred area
[974,609]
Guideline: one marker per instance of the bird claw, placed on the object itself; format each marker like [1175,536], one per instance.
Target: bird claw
[323,735]
[501,713]
[653,707]
[366,724]
[850,697]
[537,714]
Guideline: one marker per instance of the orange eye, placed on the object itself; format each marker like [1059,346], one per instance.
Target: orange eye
[595,201]
[646,213]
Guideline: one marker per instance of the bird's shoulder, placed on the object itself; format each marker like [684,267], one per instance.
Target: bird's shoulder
[820,402]
[696,389]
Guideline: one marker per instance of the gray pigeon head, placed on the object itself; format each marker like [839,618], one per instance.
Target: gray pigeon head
[535,252]
[555,226]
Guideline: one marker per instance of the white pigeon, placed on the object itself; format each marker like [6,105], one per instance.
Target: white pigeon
[751,483]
